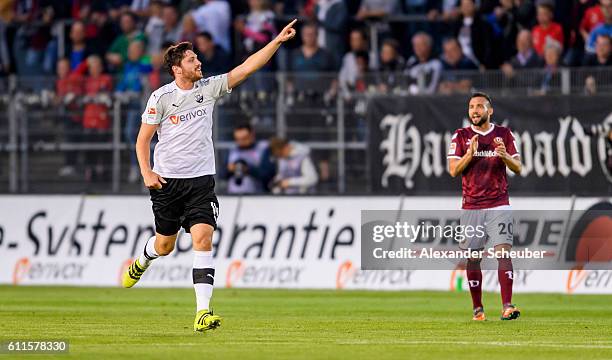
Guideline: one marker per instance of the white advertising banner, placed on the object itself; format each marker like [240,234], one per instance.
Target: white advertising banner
[262,242]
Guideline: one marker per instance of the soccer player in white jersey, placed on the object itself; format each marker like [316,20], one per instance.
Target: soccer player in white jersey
[181,182]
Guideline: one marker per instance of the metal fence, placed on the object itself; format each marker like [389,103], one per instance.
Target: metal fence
[45,146]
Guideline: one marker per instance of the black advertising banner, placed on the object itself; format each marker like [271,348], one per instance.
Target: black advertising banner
[561,140]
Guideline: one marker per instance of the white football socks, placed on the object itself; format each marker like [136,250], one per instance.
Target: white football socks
[149,254]
[203,278]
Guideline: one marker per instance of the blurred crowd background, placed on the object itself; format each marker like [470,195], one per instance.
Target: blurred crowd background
[128,37]
[74,74]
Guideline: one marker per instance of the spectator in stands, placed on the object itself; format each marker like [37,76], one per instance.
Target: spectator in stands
[141,7]
[504,24]
[257,29]
[362,79]
[5,57]
[189,29]
[214,16]
[604,28]
[551,79]
[453,60]
[96,116]
[422,67]
[249,164]
[296,173]
[168,29]
[602,55]
[332,17]
[547,31]
[601,58]
[593,17]
[309,60]
[358,42]
[377,9]
[104,31]
[214,59]
[68,91]
[78,49]
[525,58]
[154,26]
[475,36]
[524,11]
[118,52]
[392,64]
[135,69]
[33,38]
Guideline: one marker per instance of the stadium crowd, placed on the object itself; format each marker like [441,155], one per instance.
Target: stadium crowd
[101,50]
[129,36]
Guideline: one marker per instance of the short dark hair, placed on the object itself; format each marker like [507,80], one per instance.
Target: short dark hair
[175,54]
[244,126]
[363,55]
[277,144]
[205,34]
[132,15]
[393,43]
[548,6]
[482,95]
[362,32]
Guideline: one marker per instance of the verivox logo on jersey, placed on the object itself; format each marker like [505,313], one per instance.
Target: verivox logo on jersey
[190,115]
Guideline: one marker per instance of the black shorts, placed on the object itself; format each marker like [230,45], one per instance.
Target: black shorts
[185,202]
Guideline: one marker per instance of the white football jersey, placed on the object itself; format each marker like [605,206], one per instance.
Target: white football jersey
[185,118]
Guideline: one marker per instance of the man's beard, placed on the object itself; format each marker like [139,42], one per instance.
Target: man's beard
[483,119]
[195,76]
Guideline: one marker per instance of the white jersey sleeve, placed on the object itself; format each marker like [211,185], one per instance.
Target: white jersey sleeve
[215,86]
[153,112]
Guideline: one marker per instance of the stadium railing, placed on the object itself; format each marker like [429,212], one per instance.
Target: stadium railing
[41,136]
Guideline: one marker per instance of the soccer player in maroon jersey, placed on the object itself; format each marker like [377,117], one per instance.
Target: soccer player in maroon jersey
[480,153]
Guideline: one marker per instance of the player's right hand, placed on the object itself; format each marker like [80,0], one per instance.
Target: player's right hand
[152,180]
[473,145]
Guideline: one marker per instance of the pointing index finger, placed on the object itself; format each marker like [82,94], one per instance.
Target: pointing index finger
[291,23]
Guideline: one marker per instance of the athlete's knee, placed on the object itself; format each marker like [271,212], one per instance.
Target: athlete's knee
[202,243]
[164,246]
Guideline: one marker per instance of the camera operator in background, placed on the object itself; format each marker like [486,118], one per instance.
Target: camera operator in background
[296,171]
[249,165]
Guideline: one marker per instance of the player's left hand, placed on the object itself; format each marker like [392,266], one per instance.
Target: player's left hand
[287,33]
[501,150]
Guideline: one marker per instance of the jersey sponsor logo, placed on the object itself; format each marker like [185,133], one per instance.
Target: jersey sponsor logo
[485,153]
[175,119]
[453,147]
[152,111]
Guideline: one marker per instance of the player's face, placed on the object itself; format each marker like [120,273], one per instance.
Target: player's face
[191,67]
[479,111]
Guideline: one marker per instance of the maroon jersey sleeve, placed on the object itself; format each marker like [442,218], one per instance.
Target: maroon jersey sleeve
[456,149]
[510,143]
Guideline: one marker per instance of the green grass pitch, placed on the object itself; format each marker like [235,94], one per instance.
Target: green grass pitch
[108,323]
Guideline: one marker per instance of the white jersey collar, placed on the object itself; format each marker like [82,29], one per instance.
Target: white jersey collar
[483,133]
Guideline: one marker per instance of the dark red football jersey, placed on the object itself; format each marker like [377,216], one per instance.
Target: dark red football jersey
[484,180]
